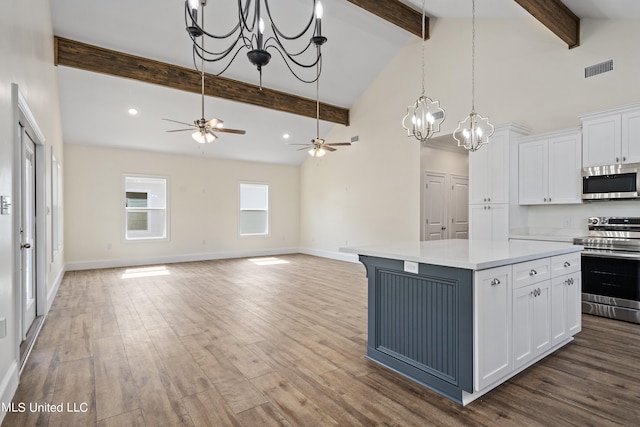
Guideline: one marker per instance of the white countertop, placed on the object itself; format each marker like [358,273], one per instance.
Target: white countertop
[467,254]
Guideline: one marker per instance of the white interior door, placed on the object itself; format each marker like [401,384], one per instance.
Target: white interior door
[459,227]
[28,233]
[435,207]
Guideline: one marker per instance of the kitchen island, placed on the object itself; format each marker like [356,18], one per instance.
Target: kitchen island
[462,316]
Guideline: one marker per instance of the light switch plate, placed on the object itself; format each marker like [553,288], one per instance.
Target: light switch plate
[5,205]
[411,267]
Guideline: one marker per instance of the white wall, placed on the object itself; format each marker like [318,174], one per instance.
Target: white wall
[26,49]
[203,207]
[369,193]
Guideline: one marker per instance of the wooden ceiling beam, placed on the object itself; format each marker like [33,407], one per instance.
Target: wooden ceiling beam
[87,57]
[398,14]
[557,17]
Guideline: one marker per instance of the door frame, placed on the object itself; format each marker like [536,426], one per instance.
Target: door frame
[23,117]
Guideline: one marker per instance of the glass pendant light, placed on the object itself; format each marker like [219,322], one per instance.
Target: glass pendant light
[424,116]
[474,131]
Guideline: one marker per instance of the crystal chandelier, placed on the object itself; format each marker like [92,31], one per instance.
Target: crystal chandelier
[474,131]
[300,51]
[424,116]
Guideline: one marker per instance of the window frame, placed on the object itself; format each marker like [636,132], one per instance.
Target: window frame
[125,210]
[267,210]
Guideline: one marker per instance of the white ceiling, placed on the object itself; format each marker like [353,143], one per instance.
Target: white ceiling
[94,106]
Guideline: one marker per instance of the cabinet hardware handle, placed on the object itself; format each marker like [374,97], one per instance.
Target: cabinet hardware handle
[549,198]
[567,264]
[495,281]
[571,281]
[488,207]
[545,199]
[484,200]
[533,273]
[617,159]
[624,159]
[488,199]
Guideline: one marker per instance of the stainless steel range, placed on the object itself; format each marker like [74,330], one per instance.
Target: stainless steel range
[611,268]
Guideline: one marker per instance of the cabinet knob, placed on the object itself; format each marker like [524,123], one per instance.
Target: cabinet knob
[545,199]
[624,159]
[567,264]
[549,198]
[617,159]
[488,199]
[533,272]
[571,281]
[488,207]
[485,199]
[495,281]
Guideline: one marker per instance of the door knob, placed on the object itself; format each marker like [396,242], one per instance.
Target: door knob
[25,246]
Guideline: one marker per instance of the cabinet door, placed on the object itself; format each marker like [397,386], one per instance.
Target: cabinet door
[565,169]
[574,304]
[480,222]
[522,326]
[631,137]
[531,322]
[498,167]
[559,315]
[499,215]
[492,326]
[601,141]
[478,170]
[532,173]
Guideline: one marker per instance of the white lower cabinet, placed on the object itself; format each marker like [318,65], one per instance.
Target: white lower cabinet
[531,321]
[522,311]
[492,325]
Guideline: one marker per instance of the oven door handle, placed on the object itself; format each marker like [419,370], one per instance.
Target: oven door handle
[614,254]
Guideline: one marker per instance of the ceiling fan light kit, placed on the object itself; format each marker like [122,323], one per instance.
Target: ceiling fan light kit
[424,117]
[474,131]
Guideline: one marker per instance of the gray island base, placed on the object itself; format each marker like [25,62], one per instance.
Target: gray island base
[461,317]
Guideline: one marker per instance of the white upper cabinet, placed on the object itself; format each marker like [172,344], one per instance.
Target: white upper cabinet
[489,171]
[611,137]
[550,168]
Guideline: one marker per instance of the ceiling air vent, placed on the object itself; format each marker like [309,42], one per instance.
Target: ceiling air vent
[594,70]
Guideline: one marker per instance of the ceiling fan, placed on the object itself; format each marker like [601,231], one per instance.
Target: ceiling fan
[204,129]
[318,146]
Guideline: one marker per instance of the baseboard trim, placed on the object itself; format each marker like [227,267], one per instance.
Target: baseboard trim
[51,295]
[340,256]
[8,388]
[132,262]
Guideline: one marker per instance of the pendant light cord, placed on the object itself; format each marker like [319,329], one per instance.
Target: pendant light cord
[473,55]
[202,60]
[318,99]
[423,43]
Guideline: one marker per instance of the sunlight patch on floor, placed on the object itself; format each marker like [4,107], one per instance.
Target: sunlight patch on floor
[268,261]
[132,273]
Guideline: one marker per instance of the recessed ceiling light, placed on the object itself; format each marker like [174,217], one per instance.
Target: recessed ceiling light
[286,136]
[133,111]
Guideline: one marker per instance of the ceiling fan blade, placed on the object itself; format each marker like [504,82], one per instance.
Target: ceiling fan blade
[308,147]
[182,123]
[338,143]
[326,147]
[180,130]
[238,131]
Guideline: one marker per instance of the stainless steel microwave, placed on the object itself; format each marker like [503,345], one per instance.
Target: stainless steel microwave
[611,182]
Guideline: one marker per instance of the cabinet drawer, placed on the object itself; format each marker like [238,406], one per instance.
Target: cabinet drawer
[526,273]
[565,264]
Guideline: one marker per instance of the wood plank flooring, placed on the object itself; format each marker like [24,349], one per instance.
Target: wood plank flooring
[281,342]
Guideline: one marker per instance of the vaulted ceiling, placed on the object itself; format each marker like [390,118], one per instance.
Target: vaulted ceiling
[119,54]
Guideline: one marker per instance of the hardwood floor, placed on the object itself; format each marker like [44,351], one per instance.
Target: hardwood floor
[258,343]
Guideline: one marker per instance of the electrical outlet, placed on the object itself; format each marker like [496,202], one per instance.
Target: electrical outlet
[411,267]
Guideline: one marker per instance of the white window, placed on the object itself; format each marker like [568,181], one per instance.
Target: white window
[145,205]
[254,209]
